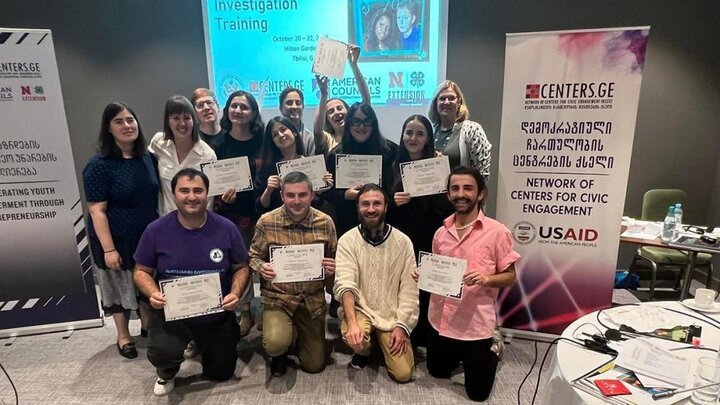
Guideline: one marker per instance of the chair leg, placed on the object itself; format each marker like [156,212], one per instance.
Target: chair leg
[708,283]
[653,278]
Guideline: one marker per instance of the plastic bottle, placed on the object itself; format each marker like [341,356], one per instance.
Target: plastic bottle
[669,225]
[678,220]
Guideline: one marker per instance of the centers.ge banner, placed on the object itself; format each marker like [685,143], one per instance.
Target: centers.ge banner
[569,110]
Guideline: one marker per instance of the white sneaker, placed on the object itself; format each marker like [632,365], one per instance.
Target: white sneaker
[163,387]
[191,350]
[498,345]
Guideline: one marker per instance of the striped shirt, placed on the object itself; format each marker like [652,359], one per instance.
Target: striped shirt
[276,228]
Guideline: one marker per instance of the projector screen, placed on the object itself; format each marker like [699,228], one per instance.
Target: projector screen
[265,46]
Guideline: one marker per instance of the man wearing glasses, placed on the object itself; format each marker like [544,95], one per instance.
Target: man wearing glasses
[208,113]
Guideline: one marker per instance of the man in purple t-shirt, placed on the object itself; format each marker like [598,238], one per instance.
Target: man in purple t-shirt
[185,242]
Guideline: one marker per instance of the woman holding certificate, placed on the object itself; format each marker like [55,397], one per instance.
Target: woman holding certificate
[178,146]
[363,156]
[330,120]
[242,136]
[282,142]
[417,217]
[121,190]
[455,136]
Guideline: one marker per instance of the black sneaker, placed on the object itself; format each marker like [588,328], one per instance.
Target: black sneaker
[359,361]
[279,365]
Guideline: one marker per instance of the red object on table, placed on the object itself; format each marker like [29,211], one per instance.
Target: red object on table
[611,388]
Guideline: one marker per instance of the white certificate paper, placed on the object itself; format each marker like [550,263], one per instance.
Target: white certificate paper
[425,176]
[313,167]
[330,56]
[228,173]
[191,296]
[442,275]
[293,263]
[357,170]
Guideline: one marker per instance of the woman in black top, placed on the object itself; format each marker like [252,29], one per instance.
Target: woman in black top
[417,217]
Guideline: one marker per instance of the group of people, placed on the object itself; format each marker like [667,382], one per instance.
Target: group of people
[394,28]
[151,219]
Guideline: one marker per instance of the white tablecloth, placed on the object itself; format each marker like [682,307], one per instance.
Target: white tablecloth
[571,361]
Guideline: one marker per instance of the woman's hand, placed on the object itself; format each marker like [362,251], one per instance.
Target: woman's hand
[113,260]
[322,82]
[273,183]
[353,53]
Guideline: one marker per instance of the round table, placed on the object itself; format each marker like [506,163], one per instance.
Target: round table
[571,361]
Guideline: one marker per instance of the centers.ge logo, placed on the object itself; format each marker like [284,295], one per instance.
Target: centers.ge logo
[524,232]
[216,255]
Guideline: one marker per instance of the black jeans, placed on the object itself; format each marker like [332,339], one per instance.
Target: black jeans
[479,362]
[419,335]
[217,342]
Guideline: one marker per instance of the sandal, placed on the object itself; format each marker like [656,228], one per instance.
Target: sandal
[128,350]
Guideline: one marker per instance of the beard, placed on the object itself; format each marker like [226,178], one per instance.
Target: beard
[374,222]
[468,206]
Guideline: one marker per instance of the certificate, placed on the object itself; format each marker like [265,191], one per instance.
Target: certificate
[330,56]
[357,170]
[313,167]
[425,176]
[191,296]
[228,173]
[442,275]
[293,263]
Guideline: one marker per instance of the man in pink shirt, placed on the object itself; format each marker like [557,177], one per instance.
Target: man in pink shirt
[462,329]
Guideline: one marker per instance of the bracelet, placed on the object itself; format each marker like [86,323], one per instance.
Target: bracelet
[108,251]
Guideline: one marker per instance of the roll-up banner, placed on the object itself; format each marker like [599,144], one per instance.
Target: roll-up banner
[568,122]
[46,282]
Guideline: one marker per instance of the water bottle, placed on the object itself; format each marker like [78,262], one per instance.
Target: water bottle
[678,220]
[669,225]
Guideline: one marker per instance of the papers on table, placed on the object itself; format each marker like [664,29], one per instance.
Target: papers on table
[293,263]
[228,174]
[425,176]
[357,170]
[313,167]
[653,364]
[643,230]
[442,275]
[191,296]
[330,56]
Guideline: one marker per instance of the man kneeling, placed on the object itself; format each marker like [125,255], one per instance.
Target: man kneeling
[374,282]
[191,241]
[293,305]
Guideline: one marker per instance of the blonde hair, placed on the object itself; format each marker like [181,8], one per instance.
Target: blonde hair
[463,112]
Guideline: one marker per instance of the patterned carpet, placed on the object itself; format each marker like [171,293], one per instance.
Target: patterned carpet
[86,369]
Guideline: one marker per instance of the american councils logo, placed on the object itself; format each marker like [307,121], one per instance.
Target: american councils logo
[524,232]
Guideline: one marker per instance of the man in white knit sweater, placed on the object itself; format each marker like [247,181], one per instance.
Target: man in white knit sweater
[373,281]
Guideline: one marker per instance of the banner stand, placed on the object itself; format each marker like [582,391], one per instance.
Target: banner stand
[45,266]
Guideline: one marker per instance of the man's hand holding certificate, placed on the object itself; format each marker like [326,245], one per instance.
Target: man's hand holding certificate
[425,176]
[188,297]
[228,174]
[441,275]
[357,170]
[294,263]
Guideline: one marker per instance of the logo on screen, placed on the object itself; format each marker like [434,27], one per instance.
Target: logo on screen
[532,91]
[524,232]
[396,79]
[230,84]
[417,79]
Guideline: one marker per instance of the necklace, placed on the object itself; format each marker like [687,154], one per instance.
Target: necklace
[466,226]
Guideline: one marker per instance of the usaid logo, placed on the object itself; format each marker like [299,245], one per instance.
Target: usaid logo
[574,234]
[524,232]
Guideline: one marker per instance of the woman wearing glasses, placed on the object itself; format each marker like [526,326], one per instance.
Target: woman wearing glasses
[461,140]
[361,137]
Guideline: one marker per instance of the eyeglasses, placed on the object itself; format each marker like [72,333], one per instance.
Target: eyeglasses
[356,122]
[200,104]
